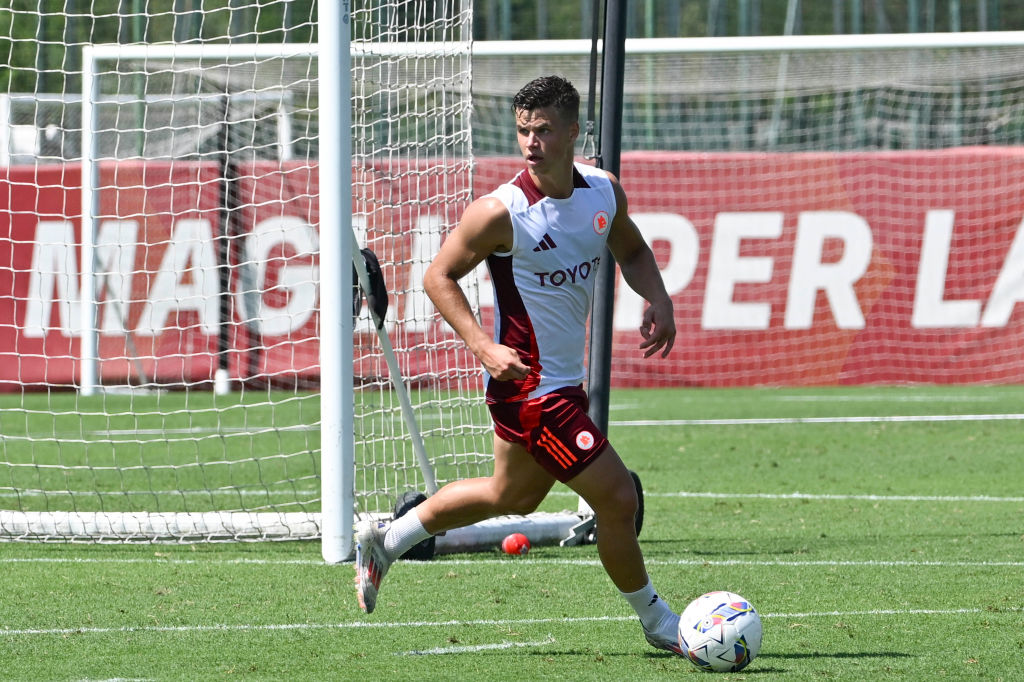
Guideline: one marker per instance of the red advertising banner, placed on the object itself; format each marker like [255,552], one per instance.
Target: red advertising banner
[155,235]
[801,269]
[785,269]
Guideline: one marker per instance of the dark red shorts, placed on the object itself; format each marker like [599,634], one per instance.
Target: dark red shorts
[554,428]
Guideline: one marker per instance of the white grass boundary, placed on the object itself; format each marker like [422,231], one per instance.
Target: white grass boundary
[133,435]
[520,562]
[511,622]
[467,649]
[863,497]
[872,419]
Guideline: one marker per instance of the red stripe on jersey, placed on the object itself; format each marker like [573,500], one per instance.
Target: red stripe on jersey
[515,330]
[524,181]
[529,414]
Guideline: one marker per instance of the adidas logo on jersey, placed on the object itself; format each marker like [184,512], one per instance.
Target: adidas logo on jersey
[546,244]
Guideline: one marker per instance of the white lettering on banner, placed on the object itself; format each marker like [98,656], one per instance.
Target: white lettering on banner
[931,309]
[677,273]
[419,312]
[298,281]
[53,277]
[726,269]
[115,262]
[484,286]
[188,279]
[810,275]
[426,242]
[1009,287]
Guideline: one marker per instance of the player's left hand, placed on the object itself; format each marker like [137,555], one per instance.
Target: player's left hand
[658,328]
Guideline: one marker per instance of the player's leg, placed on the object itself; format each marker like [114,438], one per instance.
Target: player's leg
[609,490]
[517,486]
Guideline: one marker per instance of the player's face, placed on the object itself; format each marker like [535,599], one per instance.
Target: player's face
[545,139]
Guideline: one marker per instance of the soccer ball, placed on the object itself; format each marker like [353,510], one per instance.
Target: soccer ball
[720,632]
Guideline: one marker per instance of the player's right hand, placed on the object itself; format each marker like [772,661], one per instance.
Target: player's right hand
[503,363]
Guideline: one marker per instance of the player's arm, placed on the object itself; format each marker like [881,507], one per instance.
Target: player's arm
[640,270]
[485,228]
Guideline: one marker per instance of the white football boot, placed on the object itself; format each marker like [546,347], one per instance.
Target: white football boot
[666,636]
[372,564]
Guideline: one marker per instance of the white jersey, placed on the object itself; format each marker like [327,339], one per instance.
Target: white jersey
[544,286]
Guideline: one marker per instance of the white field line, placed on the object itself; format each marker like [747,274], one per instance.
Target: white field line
[310,493]
[371,625]
[159,435]
[880,398]
[829,496]
[704,398]
[478,647]
[876,419]
[147,435]
[519,562]
[288,494]
[163,433]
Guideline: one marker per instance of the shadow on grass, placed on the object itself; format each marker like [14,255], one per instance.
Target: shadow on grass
[839,655]
[758,666]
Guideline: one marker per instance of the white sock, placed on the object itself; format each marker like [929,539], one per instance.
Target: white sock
[652,609]
[405,531]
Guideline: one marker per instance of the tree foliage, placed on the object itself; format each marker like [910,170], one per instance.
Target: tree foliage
[40,40]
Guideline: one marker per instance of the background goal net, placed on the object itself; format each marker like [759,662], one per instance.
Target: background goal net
[844,209]
[825,209]
[160,370]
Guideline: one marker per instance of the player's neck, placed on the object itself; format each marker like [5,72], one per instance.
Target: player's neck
[557,185]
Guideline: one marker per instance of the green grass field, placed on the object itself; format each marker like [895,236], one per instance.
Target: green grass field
[879,532]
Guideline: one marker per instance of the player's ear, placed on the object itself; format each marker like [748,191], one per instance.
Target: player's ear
[574,129]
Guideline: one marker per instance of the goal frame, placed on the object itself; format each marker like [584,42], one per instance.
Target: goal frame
[792,43]
[337,517]
[337,521]
[88,382]
[337,429]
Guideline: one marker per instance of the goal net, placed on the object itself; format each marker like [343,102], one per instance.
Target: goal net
[161,335]
[835,210]
[825,209]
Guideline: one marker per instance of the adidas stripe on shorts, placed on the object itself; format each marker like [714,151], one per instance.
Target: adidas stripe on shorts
[554,428]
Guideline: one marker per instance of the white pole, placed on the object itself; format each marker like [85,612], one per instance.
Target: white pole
[88,346]
[5,130]
[791,43]
[426,468]
[337,491]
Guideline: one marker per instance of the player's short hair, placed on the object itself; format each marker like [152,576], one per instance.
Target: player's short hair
[549,91]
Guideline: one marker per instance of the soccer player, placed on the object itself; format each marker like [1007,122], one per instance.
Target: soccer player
[542,235]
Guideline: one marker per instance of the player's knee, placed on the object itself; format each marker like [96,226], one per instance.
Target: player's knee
[519,502]
[525,505]
[619,503]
